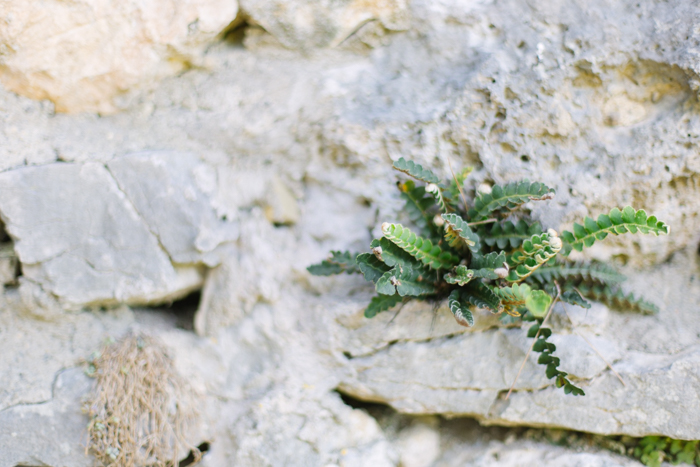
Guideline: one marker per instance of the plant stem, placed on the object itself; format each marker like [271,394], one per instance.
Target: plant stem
[487,221]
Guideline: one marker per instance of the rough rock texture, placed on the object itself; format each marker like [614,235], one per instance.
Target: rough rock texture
[234,177]
[82,55]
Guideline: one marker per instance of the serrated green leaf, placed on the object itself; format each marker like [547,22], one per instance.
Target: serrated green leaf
[615,298]
[459,235]
[481,296]
[419,206]
[574,298]
[381,303]
[460,309]
[508,197]
[404,281]
[537,303]
[508,234]
[615,223]
[392,255]
[586,272]
[372,267]
[338,263]
[416,171]
[460,275]
[419,247]
[535,252]
[492,260]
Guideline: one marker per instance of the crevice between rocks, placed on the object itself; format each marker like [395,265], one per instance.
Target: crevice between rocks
[468,432]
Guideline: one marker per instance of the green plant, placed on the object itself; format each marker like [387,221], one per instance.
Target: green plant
[653,450]
[491,255]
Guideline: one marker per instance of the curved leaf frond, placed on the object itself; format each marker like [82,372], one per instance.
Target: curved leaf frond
[339,262]
[518,295]
[572,297]
[580,271]
[616,223]
[381,303]
[460,275]
[546,349]
[416,171]
[505,234]
[418,247]
[460,309]
[419,205]
[508,197]
[615,298]
[405,281]
[534,253]
[456,184]
[392,255]
[371,267]
[436,191]
[482,296]
[458,233]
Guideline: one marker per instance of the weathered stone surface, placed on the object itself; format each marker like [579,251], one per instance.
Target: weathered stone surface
[48,433]
[306,24]
[99,50]
[171,192]
[79,237]
[596,99]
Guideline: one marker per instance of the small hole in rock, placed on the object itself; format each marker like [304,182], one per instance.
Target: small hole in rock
[234,34]
[10,267]
[525,158]
[189,460]
[183,310]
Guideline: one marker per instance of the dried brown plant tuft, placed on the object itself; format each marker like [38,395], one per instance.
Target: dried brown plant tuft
[141,409]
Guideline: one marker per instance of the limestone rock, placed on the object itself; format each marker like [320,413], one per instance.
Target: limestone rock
[307,24]
[48,433]
[82,55]
[171,192]
[79,237]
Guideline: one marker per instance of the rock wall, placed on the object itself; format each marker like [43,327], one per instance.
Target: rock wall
[149,152]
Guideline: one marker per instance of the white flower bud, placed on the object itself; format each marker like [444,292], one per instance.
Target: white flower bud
[552,233]
[431,188]
[438,220]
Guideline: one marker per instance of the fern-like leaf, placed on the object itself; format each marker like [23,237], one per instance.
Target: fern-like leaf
[580,271]
[392,255]
[508,197]
[574,298]
[534,253]
[460,275]
[381,303]
[436,191]
[504,234]
[615,298]
[339,262]
[416,171]
[518,295]
[458,233]
[482,296]
[418,247]
[456,184]
[404,281]
[546,349]
[616,223]
[460,308]
[491,266]
[372,268]
[419,205]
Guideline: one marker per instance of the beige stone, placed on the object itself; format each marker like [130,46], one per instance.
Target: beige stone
[307,24]
[82,55]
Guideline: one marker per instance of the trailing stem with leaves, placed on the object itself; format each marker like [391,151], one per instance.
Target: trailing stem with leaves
[489,254]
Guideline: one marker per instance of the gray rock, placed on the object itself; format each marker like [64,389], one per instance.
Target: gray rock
[171,192]
[48,433]
[79,237]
